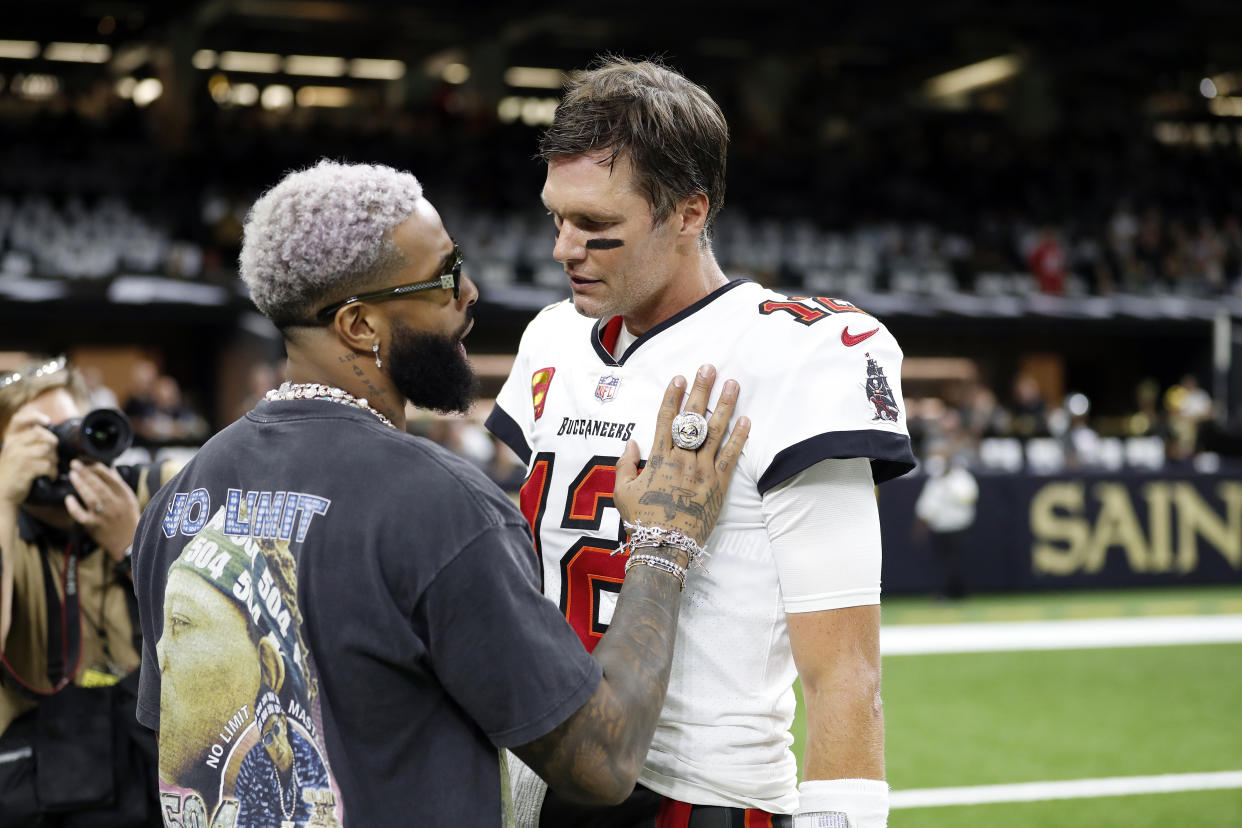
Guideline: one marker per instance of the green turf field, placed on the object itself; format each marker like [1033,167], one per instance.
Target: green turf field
[970,719]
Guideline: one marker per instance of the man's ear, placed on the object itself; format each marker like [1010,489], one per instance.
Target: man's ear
[359,326]
[271,664]
[692,212]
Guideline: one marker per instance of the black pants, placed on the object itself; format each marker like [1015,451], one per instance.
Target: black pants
[641,810]
[38,762]
[949,547]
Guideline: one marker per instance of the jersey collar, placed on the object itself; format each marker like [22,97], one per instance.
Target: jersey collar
[604,333]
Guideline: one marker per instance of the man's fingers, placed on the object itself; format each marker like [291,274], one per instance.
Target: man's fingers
[669,408]
[627,465]
[77,511]
[719,421]
[28,418]
[107,476]
[90,489]
[726,461]
[38,458]
[703,382]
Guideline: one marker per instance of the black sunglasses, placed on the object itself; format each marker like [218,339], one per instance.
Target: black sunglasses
[272,735]
[450,279]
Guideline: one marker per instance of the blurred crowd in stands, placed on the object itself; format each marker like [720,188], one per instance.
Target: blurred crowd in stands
[969,425]
[927,203]
[928,207]
[973,428]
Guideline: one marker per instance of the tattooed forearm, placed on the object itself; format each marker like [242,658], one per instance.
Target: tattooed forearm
[597,754]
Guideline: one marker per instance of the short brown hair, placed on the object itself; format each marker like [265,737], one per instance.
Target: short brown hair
[46,374]
[669,128]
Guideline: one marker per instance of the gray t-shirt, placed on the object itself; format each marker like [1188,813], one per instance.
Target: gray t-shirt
[315,573]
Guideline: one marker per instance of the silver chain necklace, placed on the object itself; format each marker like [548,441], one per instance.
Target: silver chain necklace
[293,792]
[318,391]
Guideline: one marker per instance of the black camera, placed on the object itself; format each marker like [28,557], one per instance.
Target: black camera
[103,434]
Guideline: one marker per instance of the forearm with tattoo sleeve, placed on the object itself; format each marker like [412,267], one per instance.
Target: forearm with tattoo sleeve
[597,753]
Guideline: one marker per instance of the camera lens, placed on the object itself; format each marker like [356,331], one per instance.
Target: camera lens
[103,436]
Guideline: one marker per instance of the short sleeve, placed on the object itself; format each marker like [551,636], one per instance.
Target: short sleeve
[837,395]
[503,651]
[148,707]
[513,417]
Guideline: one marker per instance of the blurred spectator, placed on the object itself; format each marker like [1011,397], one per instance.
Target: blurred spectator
[1147,420]
[71,755]
[505,469]
[982,415]
[463,437]
[262,377]
[1188,407]
[1231,253]
[1207,252]
[98,394]
[946,510]
[1047,262]
[1030,412]
[1079,440]
[172,420]
[140,401]
[157,411]
[1146,266]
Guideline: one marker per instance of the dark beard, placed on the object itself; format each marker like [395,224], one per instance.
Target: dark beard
[430,371]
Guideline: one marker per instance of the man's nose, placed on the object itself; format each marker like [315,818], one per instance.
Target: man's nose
[570,245]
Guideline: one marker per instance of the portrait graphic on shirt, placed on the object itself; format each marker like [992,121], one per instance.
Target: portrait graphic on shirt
[239,742]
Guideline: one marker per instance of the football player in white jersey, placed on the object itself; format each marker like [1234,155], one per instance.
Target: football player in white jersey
[791,586]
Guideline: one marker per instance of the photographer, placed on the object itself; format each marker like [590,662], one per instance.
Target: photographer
[66,751]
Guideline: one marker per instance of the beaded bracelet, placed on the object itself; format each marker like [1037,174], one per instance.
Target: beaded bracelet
[647,537]
[662,564]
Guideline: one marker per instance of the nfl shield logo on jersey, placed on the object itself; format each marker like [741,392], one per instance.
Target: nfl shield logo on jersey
[607,388]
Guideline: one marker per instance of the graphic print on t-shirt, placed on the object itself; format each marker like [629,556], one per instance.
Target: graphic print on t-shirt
[240,740]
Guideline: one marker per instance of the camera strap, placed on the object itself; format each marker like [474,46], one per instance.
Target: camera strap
[64,626]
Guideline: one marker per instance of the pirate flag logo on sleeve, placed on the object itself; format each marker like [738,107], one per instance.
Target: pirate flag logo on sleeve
[879,393]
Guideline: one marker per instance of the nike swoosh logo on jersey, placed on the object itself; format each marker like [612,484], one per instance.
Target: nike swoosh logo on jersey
[849,340]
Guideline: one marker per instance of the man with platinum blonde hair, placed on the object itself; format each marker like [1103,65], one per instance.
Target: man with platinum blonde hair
[635,178]
[416,608]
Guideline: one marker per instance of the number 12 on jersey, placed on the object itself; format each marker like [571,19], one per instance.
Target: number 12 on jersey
[588,569]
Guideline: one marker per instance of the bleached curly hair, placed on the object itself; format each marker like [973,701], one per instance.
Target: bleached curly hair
[323,233]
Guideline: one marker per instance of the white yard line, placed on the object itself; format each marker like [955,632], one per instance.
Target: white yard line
[1069,789]
[921,639]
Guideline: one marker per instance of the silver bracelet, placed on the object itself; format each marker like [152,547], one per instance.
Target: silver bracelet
[647,537]
[662,564]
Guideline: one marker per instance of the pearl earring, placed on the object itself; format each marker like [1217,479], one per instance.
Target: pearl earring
[375,350]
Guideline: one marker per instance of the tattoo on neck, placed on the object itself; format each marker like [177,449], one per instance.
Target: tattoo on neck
[603,244]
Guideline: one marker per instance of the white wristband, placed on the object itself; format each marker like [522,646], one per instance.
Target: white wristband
[842,803]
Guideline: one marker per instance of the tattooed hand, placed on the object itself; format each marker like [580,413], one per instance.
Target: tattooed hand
[680,489]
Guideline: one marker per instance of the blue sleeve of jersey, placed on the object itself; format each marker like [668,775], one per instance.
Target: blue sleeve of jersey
[506,428]
[891,455]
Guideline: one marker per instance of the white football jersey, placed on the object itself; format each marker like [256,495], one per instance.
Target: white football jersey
[819,379]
